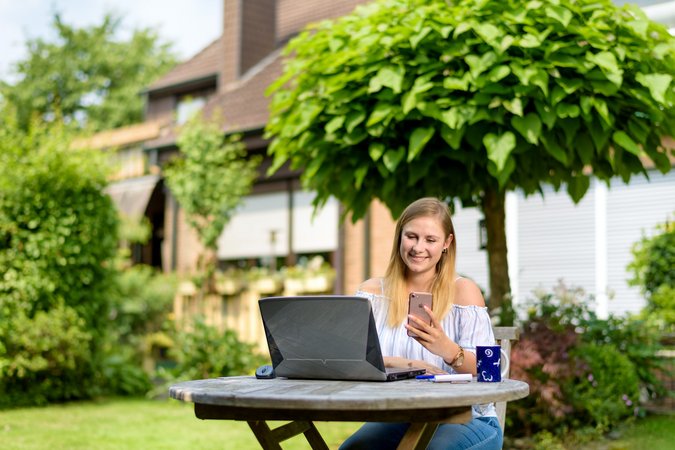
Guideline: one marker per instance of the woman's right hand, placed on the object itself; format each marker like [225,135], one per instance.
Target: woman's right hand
[404,363]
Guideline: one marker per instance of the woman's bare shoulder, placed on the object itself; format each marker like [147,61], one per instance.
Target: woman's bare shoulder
[372,286]
[467,293]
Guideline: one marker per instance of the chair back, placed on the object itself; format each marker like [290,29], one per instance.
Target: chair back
[504,336]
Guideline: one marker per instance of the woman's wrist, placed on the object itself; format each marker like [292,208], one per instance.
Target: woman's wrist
[457,359]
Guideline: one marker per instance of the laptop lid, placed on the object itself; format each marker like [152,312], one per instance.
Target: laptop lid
[325,337]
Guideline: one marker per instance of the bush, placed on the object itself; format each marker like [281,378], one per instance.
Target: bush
[45,358]
[140,307]
[604,388]
[206,352]
[582,371]
[57,240]
[652,267]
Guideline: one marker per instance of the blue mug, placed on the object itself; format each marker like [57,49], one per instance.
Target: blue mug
[489,365]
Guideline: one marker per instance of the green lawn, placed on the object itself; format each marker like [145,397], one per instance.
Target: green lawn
[135,424]
[167,424]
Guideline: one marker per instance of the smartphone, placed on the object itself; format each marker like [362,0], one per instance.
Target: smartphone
[416,302]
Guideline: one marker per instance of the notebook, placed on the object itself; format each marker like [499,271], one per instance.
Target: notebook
[325,337]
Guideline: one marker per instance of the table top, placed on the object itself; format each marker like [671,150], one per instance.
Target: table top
[417,396]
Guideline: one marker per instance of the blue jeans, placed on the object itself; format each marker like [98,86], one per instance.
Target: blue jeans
[483,433]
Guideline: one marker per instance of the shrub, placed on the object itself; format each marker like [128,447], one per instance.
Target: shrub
[57,240]
[652,267]
[604,388]
[582,371]
[206,352]
[45,358]
[140,307]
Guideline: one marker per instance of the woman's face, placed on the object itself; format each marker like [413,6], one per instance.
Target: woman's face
[422,244]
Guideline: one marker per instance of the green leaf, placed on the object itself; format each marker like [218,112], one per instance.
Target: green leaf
[389,76]
[334,124]
[453,137]
[552,147]
[607,62]
[381,112]
[570,85]
[584,148]
[499,147]
[639,27]
[359,175]
[529,127]
[546,113]
[578,186]
[622,139]
[503,176]
[417,38]
[478,65]
[562,15]
[418,140]
[392,158]
[540,79]
[506,42]
[514,106]
[488,32]
[499,73]
[601,107]
[529,41]
[456,84]
[353,119]
[375,150]
[657,83]
[564,110]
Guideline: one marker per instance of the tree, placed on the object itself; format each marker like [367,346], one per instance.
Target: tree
[209,181]
[87,76]
[470,99]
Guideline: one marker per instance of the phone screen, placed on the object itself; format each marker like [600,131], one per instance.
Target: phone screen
[416,302]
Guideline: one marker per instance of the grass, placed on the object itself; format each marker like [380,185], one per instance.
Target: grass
[136,424]
[653,433]
[167,424]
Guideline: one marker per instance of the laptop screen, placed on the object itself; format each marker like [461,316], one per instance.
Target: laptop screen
[328,337]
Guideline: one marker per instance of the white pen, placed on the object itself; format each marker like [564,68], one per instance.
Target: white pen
[453,378]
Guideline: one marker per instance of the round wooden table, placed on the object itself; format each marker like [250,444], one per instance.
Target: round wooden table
[422,403]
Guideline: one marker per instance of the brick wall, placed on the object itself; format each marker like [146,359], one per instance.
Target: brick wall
[381,236]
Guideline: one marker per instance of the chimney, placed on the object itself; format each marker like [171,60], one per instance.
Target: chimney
[249,34]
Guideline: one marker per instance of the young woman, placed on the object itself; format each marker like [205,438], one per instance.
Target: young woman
[423,260]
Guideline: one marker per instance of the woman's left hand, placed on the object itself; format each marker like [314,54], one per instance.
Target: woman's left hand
[432,337]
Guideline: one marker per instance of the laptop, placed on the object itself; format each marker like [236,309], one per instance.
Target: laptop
[329,337]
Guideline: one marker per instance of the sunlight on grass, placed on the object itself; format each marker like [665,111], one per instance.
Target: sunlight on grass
[136,424]
[167,424]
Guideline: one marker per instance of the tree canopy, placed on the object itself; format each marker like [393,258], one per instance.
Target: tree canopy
[469,99]
[87,76]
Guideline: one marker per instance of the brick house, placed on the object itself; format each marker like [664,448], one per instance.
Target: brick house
[549,238]
[230,76]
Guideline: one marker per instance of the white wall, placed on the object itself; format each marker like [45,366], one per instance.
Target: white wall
[586,245]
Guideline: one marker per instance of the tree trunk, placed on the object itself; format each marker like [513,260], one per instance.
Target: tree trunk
[495,224]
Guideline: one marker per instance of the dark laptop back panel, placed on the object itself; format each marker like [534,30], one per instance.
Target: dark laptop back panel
[322,337]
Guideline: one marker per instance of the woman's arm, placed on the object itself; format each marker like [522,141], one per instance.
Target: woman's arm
[404,363]
[434,338]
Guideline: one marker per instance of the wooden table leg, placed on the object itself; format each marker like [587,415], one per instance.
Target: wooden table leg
[269,439]
[418,436]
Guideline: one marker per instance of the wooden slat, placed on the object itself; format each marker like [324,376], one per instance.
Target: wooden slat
[510,333]
[418,436]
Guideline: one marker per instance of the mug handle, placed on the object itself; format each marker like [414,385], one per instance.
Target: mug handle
[504,367]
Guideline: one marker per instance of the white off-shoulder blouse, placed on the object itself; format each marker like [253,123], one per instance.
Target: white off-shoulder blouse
[468,326]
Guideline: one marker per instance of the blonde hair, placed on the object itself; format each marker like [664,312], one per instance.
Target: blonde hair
[443,287]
